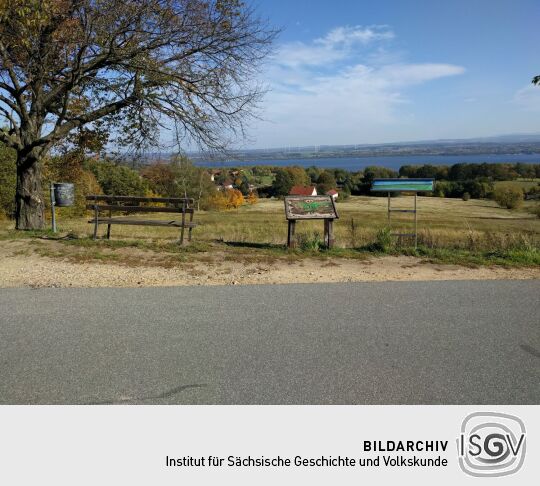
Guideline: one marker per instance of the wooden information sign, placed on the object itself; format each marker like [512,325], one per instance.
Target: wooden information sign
[311,207]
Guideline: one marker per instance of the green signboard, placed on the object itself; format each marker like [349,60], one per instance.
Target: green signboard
[310,207]
[396,185]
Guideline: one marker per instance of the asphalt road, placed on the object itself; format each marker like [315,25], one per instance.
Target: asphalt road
[474,342]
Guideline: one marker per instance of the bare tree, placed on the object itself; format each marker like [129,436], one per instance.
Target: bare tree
[139,65]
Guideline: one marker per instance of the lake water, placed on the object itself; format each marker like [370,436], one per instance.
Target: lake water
[391,162]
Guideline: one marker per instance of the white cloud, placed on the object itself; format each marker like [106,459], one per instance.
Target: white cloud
[338,89]
[336,45]
[348,36]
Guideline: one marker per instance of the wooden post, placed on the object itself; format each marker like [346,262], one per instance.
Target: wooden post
[190,227]
[291,242]
[388,208]
[183,222]
[109,226]
[330,230]
[96,216]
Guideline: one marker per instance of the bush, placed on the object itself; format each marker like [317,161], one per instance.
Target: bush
[118,180]
[235,198]
[310,242]
[222,200]
[383,240]
[508,197]
[217,201]
[466,196]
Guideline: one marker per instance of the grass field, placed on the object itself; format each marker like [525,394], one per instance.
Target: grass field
[524,184]
[474,231]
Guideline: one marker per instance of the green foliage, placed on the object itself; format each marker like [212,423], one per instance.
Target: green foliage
[466,196]
[437,172]
[282,183]
[508,197]
[310,242]
[118,180]
[383,240]
[160,178]
[8,181]
[313,173]
[299,176]
[475,189]
[325,182]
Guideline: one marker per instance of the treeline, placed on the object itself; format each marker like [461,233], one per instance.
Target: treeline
[178,177]
[455,181]
[466,172]
[228,188]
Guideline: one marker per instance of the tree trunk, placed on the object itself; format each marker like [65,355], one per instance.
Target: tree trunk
[29,196]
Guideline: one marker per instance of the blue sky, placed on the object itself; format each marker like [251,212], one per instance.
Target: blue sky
[349,72]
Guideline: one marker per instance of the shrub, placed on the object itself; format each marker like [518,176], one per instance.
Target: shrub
[221,200]
[217,201]
[466,196]
[383,240]
[325,182]
[508,197]
[118,180]
[310,242]
[235,198]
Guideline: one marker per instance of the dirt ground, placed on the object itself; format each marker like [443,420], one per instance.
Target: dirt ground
[20,268]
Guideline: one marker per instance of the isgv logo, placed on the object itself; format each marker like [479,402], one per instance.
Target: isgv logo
[491,444]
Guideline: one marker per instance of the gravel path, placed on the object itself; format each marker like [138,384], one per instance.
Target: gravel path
[31,270]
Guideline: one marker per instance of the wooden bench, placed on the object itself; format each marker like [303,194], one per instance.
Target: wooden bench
[129,204]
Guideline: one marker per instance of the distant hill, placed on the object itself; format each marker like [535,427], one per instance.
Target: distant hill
[519,143]
[501,144]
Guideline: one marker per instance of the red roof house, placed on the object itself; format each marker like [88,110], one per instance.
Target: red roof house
[333,193]
[303,191]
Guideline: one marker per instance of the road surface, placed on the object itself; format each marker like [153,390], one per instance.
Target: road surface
[460,342]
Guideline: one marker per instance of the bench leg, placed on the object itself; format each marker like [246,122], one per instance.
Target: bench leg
[109,226]
[181,235]
[190,228]
[96,215]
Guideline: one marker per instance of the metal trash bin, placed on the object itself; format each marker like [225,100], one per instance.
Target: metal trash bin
[64,194]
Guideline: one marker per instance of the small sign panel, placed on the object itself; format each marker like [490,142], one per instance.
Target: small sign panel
[396,185]
[310,207]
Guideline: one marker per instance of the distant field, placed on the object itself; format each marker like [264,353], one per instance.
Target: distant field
[522,183]
[442,222]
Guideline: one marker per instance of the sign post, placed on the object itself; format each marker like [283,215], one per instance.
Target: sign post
[311,207]
[403,185]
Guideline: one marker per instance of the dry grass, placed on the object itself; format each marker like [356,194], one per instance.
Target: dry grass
[259,232]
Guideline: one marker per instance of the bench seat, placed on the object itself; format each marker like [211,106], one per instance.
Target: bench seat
[182,208]
[141,222]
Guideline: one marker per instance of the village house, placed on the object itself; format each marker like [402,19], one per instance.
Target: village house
[303,191]
[214,174]
[227,184]
[333,193]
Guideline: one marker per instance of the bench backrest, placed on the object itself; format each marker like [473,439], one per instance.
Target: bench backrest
[137,204]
